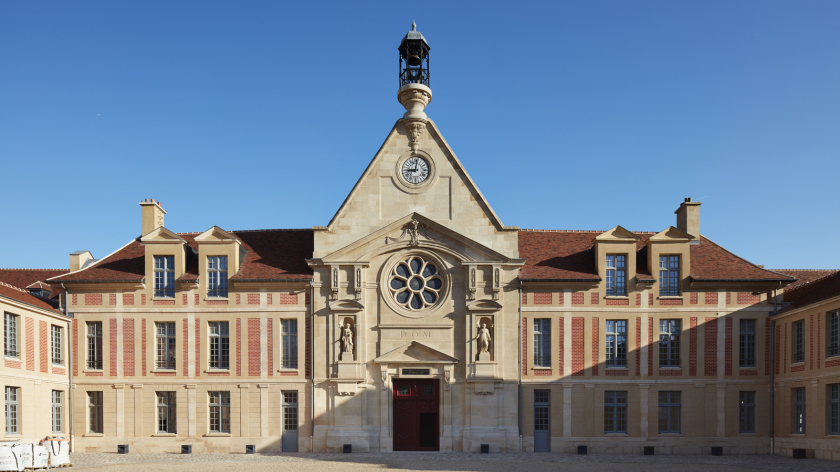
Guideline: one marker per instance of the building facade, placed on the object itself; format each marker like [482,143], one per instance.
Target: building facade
[416,320]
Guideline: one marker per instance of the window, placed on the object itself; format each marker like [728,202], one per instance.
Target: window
[12,410]
[165,276]
[616,343]
[747,342]
[798,342]
[95,412]
[542,343]
[10,335]
[416,284]
[833,408]
[746,412]
[833,334]
[219,345]
[798,397]
[669,343]
[94,343]
[55,338]
[617,275]
[542,403]
[217,276]
[288,334]
[166,412]
[56,411]
[615,412]
[669,275]
[669,412]
[220,412]
[290,410]
[165,342]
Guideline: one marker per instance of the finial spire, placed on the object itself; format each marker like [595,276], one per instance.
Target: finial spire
[413,25]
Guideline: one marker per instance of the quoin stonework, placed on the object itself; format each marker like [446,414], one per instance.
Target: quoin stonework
[416,320]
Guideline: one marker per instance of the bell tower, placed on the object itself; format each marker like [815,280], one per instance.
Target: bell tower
[414,92]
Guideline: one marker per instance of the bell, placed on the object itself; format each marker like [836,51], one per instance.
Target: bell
[414,60]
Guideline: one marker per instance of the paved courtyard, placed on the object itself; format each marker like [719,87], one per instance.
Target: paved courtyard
[442,462]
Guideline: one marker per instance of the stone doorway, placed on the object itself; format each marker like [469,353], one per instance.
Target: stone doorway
[416,410]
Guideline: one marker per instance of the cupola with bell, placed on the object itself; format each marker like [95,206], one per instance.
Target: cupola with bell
[414,93]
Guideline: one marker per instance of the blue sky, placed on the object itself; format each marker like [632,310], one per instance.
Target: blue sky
[583,115]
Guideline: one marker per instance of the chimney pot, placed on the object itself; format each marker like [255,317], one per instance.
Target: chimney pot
[152,214]
[688,217]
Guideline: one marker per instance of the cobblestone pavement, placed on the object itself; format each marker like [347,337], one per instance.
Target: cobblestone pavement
[207,462]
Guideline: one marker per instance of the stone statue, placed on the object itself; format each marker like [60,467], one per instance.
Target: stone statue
[483,338]
[346,338]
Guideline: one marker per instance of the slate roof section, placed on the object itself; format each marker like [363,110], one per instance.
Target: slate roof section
[804,276]
[21,295]
[821,289]
[568,256]
[272,255]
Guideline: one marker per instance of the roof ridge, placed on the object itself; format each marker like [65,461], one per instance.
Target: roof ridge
[807,270]
[579,231]
[13,287]
[818,279]
[741,258]
[97,261]
[27,268]
[252,230]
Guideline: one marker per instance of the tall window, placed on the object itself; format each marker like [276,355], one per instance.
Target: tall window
[11,410]
[165,342]
[669,412]
[798,342]
[833,334]
[219,412]
[616,274]
[95,412]
[166,412]
[165,276]
[55,339]
[798,410]
[217,276]
[219,345]
[669,275]
[10,335]
[616,343]
[288,333]
[94,344]
[615,412]
[542,343]
[669,343]
[542,403]
[290,410]
[56,411]
[747,343]
[833,409]
[746,412]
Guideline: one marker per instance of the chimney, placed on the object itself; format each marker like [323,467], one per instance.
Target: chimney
[688,217]
[78,259]
[152,216]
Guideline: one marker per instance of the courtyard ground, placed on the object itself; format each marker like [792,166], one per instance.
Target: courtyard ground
[441,462]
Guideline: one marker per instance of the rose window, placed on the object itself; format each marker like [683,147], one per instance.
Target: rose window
[416,284]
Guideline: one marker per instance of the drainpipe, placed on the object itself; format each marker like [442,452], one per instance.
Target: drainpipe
[311,367]
[519,355]
[773,371]
[69,368]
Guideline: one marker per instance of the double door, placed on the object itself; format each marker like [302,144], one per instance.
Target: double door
[416,411]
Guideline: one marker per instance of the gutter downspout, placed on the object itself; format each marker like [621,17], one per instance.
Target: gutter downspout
[69,368]
[773,370]
[311,355]
[519,355]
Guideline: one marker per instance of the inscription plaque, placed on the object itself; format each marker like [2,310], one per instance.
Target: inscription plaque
[415,372]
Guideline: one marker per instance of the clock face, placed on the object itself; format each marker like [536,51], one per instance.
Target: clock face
[415,170]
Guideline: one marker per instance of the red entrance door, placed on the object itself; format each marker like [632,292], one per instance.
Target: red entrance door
[416,407]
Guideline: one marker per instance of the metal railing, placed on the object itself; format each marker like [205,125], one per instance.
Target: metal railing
[11,353]
[94,364]
[165,364]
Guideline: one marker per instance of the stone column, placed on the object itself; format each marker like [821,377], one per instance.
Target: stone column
[191,347]
[567,409]
[644,403]
[120,388]
[263,346]
[243,410]
[263,410]
[721,406]
[138,410]
[191,427]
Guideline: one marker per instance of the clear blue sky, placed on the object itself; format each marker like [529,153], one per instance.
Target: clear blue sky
[584,115]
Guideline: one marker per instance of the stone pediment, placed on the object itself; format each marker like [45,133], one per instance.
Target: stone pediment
[671,235]
[162,235]
[345,305]
[415,353]
[617,234]
[216,235]
[484,305]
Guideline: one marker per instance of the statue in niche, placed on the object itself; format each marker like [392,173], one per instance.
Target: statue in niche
[346,341]
[483,338]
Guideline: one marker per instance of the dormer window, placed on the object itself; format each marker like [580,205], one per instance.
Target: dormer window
[217,276]
[165,276]
[669,276]
[617,275]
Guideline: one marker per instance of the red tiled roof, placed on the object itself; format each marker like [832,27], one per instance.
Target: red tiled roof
[23,278]
[21,295]
[567,255]
[815,291]
[271,255]
[804,276]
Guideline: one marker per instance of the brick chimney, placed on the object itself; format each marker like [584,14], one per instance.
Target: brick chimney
[78,259]
[688,217]
[152,215]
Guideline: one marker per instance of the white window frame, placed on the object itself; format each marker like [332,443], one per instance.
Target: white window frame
[669,275]
[289,344]
[542,343]
[616,265]
[616,343]
[615,412]
[833,334]
[12,410]
[217,276]
[10,335]
[95,356]
[219,333]
[670,334]
[670,410]
[95,412]
[833,409]
[164,268]
[166,412]
[798,351]
[165,339]
[55,341]
[219,411]
[57,404]
[798,410]
[746,343]
[746,412]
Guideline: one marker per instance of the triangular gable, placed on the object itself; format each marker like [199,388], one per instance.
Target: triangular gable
[672,235]
[162,235]
[216,235]
[617,234]
[415,353]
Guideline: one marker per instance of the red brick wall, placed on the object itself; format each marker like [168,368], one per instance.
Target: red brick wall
[778,346]
[595,344]
[75,359]
[728,298]
[308,349]
[811,344]
[767,346]
[542,372]
[253,298]
[93,299]
[112,298]
[128,299]
[128,347]
[184,299]
[270,342]
[269,298]
[617,301]
[711,298]
[143,346]
[306,299]
[577,346]
[671,301]
[594,298]
[638,346]
[238,299]
[650,343]
[217,302]
[542,299]
[639,299]
[819,340]
[198,348]
[163,302]
[577,298]
[287,298]
[197,300]
[112,336]
[142,298]
[650,303]
[784,368]
[524,345]
[561,351]
[75,299]
[254,346]
[693,298]
[561,299]
[670,373]
[797,368]
[692,346]
[43,349]
[746,298]
[185,343]
[238,346]
[710,347]
[727,342]
[30,344]
[524,298]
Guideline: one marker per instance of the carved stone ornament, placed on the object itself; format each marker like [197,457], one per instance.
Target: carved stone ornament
[472,284]
[496,283]
[358,283]
[334,287]
[415,130]
[413,230]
